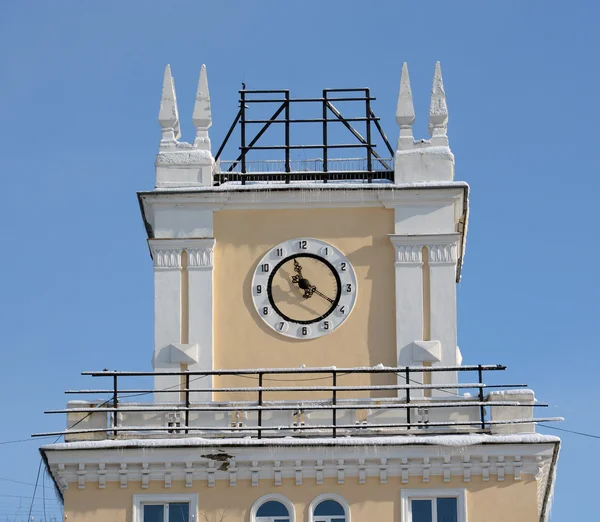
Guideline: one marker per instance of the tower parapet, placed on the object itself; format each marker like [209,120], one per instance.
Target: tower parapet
[181,164]
[423,160]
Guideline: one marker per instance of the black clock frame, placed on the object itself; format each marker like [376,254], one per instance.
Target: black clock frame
[328,265]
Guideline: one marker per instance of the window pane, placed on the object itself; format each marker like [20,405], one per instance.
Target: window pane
[329,508]
[272,508]
[447,510]
[154,513]
[421,511]
[179,512]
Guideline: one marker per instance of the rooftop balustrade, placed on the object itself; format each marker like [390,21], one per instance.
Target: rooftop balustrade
[328,409]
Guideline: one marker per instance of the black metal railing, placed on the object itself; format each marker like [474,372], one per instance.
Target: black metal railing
[176,418]
[283,102]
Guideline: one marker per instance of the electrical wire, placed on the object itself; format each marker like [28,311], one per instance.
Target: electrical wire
[570,431]
[34,490]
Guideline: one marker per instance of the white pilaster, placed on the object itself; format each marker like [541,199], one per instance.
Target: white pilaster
[443,256]
[196,346]
[167,313]
[409,298]
[440,348]
[200,277]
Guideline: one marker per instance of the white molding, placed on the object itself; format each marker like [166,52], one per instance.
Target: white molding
[139,500]
[272,497]
[328,496]
[406,495]
[312,195]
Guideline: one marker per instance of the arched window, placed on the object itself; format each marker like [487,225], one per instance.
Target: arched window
[272,508]
[329,508]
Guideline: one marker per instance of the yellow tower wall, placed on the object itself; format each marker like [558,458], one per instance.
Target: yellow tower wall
[486,501]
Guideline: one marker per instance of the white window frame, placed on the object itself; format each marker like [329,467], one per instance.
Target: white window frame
[276,498]
[328,496]
[407,495]
[140,500]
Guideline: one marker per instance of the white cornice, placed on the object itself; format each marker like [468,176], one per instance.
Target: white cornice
[166,253]
[442,248]
[347,464]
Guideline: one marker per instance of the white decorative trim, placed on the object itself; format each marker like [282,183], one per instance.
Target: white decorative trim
[189,474]
[145,475]
[442,248]
[140,500]
[168,476]
[166,253]
[166,258]
[409,254]
[406,495]
[123,475]
[81,476]
[328,496]
[345,464]
[443,253]
[272,497]
[102,475]
[200,257]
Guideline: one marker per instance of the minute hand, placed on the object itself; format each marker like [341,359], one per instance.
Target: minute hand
[322,295]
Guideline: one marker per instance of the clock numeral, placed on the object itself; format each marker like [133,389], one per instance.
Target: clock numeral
[265,310]
[343,267]
[304,330]
[279,252]
[342,310]
[282,326]
[259,289]
[326,325]
[303,245]
[265,267]
[348,287]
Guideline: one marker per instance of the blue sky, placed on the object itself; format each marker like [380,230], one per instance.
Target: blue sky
[80,88]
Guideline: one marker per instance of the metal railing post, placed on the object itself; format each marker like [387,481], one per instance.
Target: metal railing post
[325,166]
[407,381]
[287,135]
[260,403]
[369,145]
[243,133]
[115,405]
[187,402]
[481,407]
[334,403]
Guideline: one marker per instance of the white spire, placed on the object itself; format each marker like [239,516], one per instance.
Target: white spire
[405,111]
[438,110]
[202,116]
[168,116]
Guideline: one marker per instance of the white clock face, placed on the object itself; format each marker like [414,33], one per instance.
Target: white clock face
[304,288]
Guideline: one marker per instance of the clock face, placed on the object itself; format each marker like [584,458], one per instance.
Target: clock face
[304,288]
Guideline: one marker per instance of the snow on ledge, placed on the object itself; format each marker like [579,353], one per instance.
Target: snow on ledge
[408,440]
[315,184]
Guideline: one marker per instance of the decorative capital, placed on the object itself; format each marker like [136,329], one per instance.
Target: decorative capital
[409,254]
[442,248]
[166,258]
[167,253]
[446,253]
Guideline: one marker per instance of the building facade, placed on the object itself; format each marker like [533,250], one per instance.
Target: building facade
[306,365]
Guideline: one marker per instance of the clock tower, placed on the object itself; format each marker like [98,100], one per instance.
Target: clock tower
[261,273]
[305,359]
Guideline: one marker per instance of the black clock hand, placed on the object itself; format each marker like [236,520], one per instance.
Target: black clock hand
[298,270]
[315,291]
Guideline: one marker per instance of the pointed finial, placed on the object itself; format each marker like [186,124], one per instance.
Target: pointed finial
[168,116]
[202,116]
[438,110]
[405,111]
